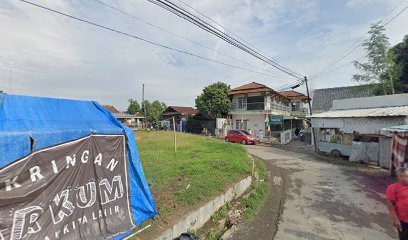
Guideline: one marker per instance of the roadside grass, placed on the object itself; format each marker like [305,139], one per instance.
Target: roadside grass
[249,205]
[253,203]
[200,169]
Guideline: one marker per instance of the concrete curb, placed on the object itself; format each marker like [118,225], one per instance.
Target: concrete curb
[198,218]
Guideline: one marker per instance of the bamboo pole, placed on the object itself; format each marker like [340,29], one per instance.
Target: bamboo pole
[175,138]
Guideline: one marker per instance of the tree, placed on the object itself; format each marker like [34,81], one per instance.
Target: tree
[134,107]
[377,67]
[214,100]
[398,55]
[153,111]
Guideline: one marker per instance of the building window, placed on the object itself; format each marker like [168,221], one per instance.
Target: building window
[295,106]
[242,103]
[241,125]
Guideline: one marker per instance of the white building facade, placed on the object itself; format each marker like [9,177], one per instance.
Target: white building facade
[253,104]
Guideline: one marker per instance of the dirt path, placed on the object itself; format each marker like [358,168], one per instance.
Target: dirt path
[319,200]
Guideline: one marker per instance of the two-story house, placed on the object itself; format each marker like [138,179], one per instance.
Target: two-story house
[256,106]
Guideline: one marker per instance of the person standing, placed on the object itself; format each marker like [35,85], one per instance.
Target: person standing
[397,202]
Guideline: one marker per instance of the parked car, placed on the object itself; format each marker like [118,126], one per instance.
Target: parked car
[240,136]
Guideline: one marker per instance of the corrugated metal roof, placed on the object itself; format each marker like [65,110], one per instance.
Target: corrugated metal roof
[323,98]
[124,115]
[365,112]
[400,127]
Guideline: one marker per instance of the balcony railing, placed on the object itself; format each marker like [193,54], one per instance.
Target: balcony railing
[275,106]
[259,106]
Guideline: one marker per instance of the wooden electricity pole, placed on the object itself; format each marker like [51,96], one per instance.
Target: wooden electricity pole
[310,111]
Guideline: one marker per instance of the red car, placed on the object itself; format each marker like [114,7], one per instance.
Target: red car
[240,136]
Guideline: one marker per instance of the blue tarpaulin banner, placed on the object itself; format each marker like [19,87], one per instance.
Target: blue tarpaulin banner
[68,169]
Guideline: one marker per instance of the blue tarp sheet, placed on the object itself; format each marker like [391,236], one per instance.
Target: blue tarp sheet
[30,123]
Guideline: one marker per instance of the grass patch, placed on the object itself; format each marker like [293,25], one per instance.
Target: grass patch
[248,205]
[221,213]
[201,168]
[253,203]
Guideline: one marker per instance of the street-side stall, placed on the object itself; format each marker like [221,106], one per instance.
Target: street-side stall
[395,151]
[352,126]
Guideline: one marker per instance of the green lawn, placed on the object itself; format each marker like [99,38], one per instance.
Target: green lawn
[202,167]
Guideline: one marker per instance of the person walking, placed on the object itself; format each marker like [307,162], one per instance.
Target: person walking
[397,202]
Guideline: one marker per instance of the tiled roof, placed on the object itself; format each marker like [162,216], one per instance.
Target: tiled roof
[294,95]
[323,98]
[111,109]
[252,87]
[138,114]
[183,110]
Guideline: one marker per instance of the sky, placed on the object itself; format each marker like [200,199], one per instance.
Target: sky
[49,55]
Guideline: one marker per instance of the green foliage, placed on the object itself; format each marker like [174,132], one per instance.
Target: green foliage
[221,213]
[253,203]
[154,111]
[375,70]
[133,107]
[214,100]
[398,55]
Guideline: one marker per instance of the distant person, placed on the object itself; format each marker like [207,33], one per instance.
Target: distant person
[397,202]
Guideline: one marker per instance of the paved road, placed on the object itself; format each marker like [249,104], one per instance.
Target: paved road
[319,200]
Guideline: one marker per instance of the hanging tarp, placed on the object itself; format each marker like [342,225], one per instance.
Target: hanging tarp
[399,150]
[69,170]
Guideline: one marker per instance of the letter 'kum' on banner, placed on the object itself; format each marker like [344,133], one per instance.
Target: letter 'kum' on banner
[87,185]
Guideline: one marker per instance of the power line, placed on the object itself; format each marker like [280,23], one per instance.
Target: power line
[181,37]
[291,85]
[226,29]
[183,13]
[139,38]
[268,60]
[359,42]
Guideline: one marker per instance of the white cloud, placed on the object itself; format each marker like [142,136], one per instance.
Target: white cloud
[357,3]
[59,57]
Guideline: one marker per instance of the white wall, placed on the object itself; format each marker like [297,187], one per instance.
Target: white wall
[361,125]
[371,102]
[255,122]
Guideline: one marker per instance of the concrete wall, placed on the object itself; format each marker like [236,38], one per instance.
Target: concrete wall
[385,152]
[361,125]
[255,122]
[328,147]
[198,218]
[371,102]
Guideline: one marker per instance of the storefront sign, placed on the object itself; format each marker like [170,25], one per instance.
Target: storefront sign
[275,119]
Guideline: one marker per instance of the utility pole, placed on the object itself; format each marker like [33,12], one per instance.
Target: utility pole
[310,111]
[143,103]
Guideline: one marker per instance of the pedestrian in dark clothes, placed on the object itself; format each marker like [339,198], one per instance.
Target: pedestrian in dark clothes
[397,202]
